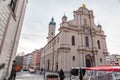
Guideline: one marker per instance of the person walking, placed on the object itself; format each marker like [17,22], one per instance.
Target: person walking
[61,74]
[13,71]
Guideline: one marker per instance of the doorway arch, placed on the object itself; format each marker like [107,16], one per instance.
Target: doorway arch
[88,60]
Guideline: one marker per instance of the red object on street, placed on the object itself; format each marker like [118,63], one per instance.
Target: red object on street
[105,68]
[18,68]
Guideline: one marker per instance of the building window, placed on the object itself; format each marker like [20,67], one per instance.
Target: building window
[73,40]
[86,41]
[54,42]
[52,33]
[98,42]
[85,21]
[100,59]
[13,4]
[73,58]
[58,40]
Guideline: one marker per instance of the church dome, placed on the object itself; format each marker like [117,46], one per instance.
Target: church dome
[99,25]
[52,22]
[64,16]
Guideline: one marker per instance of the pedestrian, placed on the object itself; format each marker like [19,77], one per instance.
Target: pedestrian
[13,71]
[41,71]
[61,74]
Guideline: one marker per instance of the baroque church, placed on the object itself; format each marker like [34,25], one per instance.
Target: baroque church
[79,43]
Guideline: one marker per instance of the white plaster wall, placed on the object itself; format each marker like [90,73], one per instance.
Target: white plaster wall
[73,28]
[12,34]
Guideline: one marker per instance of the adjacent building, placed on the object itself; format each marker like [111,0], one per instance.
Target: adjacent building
[79,43]
[36,59]
[113,59]
[11,20]
[27,61]
[19,60]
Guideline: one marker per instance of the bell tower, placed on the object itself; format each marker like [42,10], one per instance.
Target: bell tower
[51,31]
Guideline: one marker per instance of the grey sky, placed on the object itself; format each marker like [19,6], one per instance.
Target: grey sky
[40,12]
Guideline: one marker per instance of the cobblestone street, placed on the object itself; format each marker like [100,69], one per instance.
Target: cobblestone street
[24,75]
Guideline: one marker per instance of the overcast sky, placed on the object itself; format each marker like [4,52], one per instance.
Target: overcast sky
[39,13]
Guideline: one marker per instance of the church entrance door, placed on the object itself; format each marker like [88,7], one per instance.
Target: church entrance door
[88,60]
[88,64]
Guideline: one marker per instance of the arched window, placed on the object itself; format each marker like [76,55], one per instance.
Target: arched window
[86,41]
[98,42]
[48,65]
[100,59]
[85,21]
[73,40]
[51,33]
[58,40]
[73,58]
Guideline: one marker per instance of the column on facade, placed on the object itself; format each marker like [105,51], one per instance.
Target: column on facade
[104,43]
[94,49]
[96,59]
[55,60]
[82,45]
[79,21]
[83,40]
[82,59]
[60,64]
[104,48]
[94,42]
[63,60]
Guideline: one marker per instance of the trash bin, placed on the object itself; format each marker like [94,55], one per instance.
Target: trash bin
[52,77]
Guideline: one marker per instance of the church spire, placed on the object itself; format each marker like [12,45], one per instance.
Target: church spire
[51,32]
[52,22]
[64,18]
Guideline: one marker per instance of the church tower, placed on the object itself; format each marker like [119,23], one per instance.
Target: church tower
[51,32]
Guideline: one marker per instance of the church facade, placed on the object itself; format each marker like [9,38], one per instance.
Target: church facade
[79,43]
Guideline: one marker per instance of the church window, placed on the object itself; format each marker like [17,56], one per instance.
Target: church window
[98,42]
[100,59]
[58,40]
[54,42]
[86,41]
[13,4]
[48,65]
[85,21]
[73,58]
[73,40]
[52,33]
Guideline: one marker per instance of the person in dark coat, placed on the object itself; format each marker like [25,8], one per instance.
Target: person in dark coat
[61,75]
[13,71]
